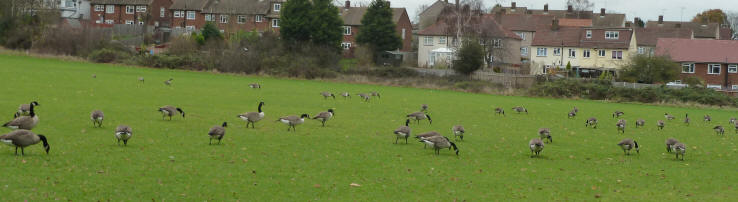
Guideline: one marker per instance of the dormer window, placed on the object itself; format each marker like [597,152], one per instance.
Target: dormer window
[277,7]
[589,34]
[612,35]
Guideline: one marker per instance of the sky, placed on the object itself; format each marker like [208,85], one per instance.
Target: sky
[673,10]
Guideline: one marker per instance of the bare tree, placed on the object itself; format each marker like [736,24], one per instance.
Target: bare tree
[580,5]
[419,10]
[463,20]
[732,17]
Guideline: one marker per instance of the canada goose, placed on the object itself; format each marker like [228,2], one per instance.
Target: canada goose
[519,109]
[426,135]
[719,130]
[545,134]
[141,79]
[94,76]
[640,122]
[403,131]
[169,111]
[686,119]
[420,116]
[25,109]
[499,110]
[326,95]
[124,133]
[324,116]
[680,149]
[424,107]
[24,122]
[591,122]
[252,117]
[364,97]
[217,132]
[572,114]
[345,95]
[23,138]
[168,82]
[97,117]
[458,131]
[374,93]
[254,85]
[668,116]
[292,121]
[732,120]
[660,124]
[617,114]
[670,144]
[536,146]
[707,118]
[440,142]
[621,125]
[627,144]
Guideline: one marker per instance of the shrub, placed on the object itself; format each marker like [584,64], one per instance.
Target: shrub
[107,55]
[470,58]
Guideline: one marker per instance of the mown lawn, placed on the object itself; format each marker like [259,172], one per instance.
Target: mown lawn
[171,160]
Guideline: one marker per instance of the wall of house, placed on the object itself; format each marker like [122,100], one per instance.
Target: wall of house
[404,25]
[183,22]
[425,50]
[701,71]
[155,11]
[119,16]
[594,61]
[528,40]
[350,38]
[511,52]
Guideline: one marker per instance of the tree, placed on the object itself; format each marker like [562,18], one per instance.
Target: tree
[377,28]
[711,16]
[650,69]
[327,26]
[211,32]
[639,23]
[295,21]
[470,56]
[732,18]
[580,5]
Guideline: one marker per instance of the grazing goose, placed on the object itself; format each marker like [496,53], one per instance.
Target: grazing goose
[707,118]
[621,125]
[591,122]
[217,132]
[123,133]
[326,95]
[458,131]
[719,130]
[680,149]
[97,118]
[292,121]
[254,85]
[668,116]
[617,114]
[345,95]
[519,109]
[427,135]
[420,116]
[252,117]
[169,111]
[670,144]
[499,110]
[324,116]
[732,120]
[25,109]
[141,79]
[364,97]
[545,134]
[374,94]
[536,146]
[736,127]
[94,76]
[572,114]
[23,138]
[660,124]
[168,82]
[403,131]
[424,107]
[686,119]
[440,142]
[627,144]
[640,123]
[24,122]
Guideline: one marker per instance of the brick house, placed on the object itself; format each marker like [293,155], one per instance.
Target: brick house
[352,23]
[109,12]
[230,16]
[714,61]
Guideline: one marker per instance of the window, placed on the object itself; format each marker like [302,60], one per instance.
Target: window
[177,14]
[129,22]
[641,50]
[713,86]
[733,68]
[403,33]
[99,8]
[524,51]
[543,52]
[190,15]
[688,68]
[734,87]
[572,53]
[346,30]
[714,68]
[140,22]
[497,43]
[277,7]
[521,35]
[130,9]
[589,34]
[617,55]
[612,35]
[585,53]
[275,22]
[257,18]
[223,18]
[109,21]
[601,53]
[441,40]
[209,17]
[557,51]
[110,9]
[346,45]
[140,9]
[162,12]
[241,19]
[428,41]
[69,4]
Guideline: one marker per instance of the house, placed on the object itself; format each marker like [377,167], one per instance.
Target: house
[230,16]
[580,18]
[525,27]
[700,30]
[75,9]
[430,15]
[352,23]
[647,37]
[714,61]
[140,12]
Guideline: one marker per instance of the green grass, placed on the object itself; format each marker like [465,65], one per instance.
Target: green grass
[171,160]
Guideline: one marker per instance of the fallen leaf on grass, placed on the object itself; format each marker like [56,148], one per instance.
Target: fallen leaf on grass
[354,185]
[316,185]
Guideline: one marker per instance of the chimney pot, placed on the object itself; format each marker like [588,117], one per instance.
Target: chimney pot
[348,4]
[545,8]
[602,12]
[661,19]
[512,5]
[570,8]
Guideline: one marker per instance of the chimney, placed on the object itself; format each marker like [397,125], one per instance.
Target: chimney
[628,23]
[512,5]
[555,24]
[348,4]
[661,19]
[570,8]
[545,8]
[602,12]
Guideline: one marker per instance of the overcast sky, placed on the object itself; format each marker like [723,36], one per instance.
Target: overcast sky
[673,10]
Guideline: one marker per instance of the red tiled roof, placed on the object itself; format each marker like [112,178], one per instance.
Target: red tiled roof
[695,50]
[575,22]
[517,22]
[547,37]
[598,38]
[649,36]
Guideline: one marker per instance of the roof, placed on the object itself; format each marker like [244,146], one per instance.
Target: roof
[489,27]
[700,30]
[608,20]
[353,15]
[726,33]
[649,36]
[564,14]
[437,29]
[196,5]
[575,22]
[437,3]
[695,50]
[121,2]
[530,23]
[237,7]
[569,36]
[598,38]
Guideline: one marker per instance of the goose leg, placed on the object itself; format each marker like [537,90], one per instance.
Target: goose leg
[125,143]
[211,141]
[406,139]
[219,141]
[396,138]
[23,153]
[16,150]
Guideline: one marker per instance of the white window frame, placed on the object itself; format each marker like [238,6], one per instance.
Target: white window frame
[129,22]
[612,35]
[403,33]
[223,19]
[69,3]
[589,34]
[241,19]
[497,43]
[617,55]
[191,17]
[442,39]
[346,45]
[733,68]
[557,51]
[347,30]
[258,18]
[140,9]
[428,40]
[277,7]
[521,35]
[275,23]
[586,53]
[572,53]
[715,86]
[130,9]
[524,51]
[209,17]
[641,50]
[689,66]
[601,53]
[711,66]
[162,12]
[109,21]
[177,14]
[734,87]
[99,8]
[543,52]
[109,9]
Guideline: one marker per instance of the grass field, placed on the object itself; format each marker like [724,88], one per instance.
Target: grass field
[171,160]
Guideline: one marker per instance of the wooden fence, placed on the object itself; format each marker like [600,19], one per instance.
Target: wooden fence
[507,80]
